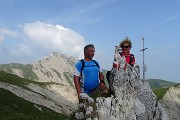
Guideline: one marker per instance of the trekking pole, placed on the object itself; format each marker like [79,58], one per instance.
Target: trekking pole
[144,66]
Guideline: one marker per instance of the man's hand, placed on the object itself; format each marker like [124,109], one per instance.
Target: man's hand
[85,96]
[102,85]
[106,91]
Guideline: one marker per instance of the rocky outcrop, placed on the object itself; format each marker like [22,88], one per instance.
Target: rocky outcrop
[131,98]
[57,68]
[171,102]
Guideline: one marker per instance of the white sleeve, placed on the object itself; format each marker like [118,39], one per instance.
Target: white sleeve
[76,72]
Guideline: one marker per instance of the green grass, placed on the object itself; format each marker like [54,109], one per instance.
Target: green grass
[158,83]
[13,107]
[160,92]
[69,78]
[27,70]
[58,74]
[13,79]
[21,82]
[177,85]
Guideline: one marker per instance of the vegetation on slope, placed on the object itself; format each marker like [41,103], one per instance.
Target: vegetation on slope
[177,85]
[69,78]
[158,83]
[13,107]
[18,81]
[160,92]
[27,70]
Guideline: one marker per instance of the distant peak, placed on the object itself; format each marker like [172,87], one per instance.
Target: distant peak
[54,54]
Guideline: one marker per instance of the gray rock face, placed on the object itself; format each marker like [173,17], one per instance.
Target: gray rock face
[171,102]
[131,99]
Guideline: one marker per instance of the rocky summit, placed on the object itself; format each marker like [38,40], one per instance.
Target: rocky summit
[171,102]
[131,98]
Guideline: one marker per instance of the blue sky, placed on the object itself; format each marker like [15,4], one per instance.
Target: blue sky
[32,29]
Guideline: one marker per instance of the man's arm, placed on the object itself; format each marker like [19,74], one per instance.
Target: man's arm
[101,78]
[77,85]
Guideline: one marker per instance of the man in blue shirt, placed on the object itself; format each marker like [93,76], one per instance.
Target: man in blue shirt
[90,79]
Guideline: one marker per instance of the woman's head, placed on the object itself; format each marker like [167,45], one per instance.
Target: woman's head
[126,45]
[126,41]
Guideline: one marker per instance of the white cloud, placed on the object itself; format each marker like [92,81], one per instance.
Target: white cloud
[55,38]
[22,50]
[6,33]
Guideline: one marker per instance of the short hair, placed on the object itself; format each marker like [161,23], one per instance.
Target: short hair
[128,41]
[88,46]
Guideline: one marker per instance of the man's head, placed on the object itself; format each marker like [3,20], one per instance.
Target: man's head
[89,51]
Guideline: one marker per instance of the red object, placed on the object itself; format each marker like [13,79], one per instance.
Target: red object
[116,65]
[128,57]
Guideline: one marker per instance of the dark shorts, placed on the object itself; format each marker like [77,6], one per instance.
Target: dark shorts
[98,92]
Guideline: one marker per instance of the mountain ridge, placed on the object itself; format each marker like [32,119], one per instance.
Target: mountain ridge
[50,77]
[159,83]
[50,95]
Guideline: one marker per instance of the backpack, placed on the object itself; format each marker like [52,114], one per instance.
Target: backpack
[131,59]
[83,65]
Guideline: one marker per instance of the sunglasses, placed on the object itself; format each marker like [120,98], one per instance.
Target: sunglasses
[125,47]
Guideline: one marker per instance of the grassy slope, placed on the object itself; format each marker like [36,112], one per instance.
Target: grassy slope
[13,107]
[160,87]
[158,83]
[18,81]
[160,92]
[27,70]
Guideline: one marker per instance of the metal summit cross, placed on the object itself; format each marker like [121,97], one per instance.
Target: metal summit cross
[144,65]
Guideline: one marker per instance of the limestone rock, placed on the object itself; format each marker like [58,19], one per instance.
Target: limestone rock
[131,99]
[171,102]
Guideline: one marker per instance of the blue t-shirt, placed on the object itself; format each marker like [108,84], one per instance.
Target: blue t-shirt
[90,75]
